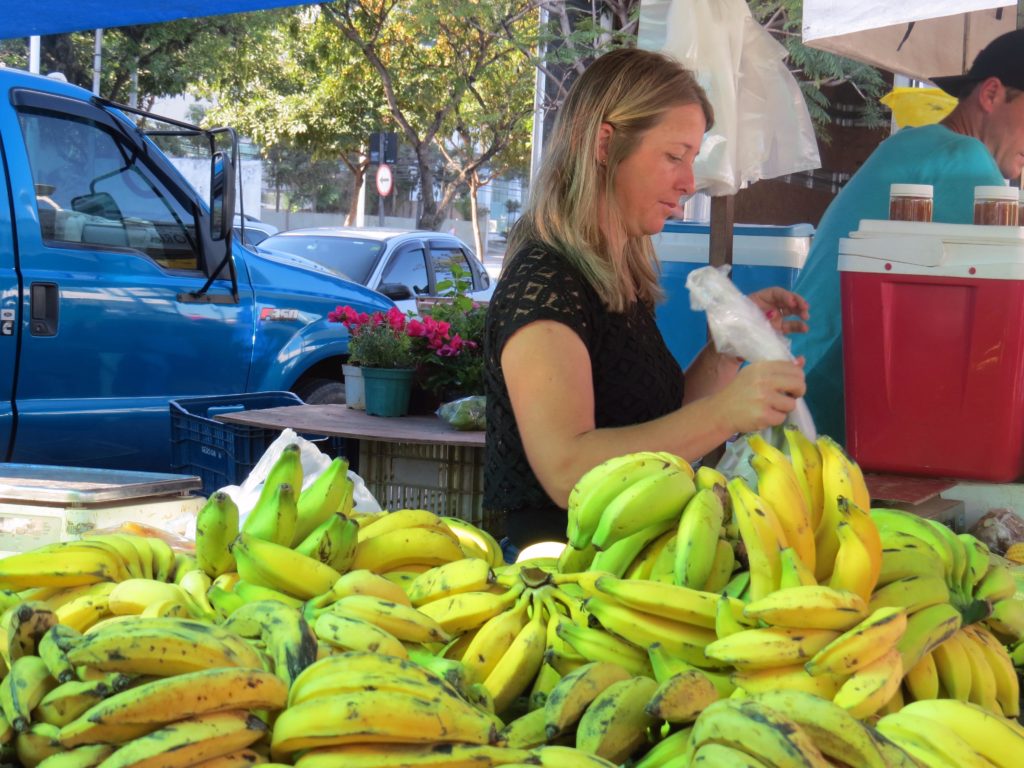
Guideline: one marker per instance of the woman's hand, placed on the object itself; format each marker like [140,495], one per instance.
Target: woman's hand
[761,395]
[779,304]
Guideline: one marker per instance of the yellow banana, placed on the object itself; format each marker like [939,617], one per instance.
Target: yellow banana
[354,634]
[404,622]
[493,639]
[839,735]
[722,566]
[997,739]
[617,558]
[133,595]
[67,701]
[793,677]
[472,537]
[816,607]
[922,680]
[954,667]
[912,593]
[920,737]
[279,567]
[575,692]
[868,689]
[778,485]
[762,537]
[852,570]
[926,629]
[667,600]
[515,670]
[752,727]
[682,697]
[397,549]
[642,629]
[766,647]
[190,741]
[22,626]
[615,723]
[405,518]
[595,644]
[370,716]
[793,572]
[70,564]
[86,756]
[806,460]
[999,661]
[861,644]
[468,574]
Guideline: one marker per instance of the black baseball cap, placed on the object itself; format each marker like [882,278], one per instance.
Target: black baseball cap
[1002,58]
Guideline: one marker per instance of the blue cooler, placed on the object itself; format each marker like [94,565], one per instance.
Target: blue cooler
[762,256]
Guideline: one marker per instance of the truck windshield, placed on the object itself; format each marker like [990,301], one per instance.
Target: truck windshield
[351,257]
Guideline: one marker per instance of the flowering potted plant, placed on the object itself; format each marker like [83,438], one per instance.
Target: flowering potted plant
[381,345]
[448,342]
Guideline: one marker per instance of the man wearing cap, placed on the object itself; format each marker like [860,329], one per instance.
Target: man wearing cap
[981,142]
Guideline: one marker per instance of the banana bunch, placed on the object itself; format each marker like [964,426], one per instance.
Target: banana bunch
[626,494]
[946,732]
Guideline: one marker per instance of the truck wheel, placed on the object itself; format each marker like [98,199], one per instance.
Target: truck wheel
[320,391]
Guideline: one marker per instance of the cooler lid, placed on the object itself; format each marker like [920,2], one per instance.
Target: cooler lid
[745,230]
[956,250]
[82,485]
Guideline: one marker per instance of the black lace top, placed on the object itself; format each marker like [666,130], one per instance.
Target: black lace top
[636,378]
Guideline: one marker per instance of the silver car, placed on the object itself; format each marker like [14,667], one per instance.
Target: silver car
[406,266]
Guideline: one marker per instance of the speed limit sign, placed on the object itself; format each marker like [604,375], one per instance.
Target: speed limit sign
[384,180]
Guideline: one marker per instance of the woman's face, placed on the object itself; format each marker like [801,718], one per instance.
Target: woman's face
[650,182]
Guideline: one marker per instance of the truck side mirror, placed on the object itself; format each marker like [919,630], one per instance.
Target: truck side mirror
[222,196]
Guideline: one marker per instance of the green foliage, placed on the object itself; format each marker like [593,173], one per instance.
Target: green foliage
[816,69]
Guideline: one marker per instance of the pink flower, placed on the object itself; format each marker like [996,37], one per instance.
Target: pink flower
[416,329]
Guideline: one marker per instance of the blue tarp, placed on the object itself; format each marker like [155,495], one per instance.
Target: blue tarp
[22,18]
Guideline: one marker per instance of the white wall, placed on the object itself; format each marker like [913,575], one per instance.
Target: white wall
[197,171]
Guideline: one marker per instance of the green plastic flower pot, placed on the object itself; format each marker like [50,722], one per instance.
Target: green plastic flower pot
[386,391]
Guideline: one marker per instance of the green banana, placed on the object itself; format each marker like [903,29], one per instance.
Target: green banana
[333,542]
[216,528]
[274,518]
[322,498]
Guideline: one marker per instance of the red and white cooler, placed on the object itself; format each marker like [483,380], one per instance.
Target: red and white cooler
[933,348]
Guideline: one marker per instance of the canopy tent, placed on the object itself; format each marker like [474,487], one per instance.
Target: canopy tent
[917,38]
[49,17]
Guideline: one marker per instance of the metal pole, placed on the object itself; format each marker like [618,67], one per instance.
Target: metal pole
[537,142]
[33,54]
[97,61]
[380,197]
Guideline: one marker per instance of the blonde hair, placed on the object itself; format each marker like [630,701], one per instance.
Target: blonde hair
[631,89]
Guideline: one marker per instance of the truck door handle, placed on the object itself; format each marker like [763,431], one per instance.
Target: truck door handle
[44,309]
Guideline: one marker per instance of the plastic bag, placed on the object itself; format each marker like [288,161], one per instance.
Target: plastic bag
[739,327]
[762,127]
[466,413]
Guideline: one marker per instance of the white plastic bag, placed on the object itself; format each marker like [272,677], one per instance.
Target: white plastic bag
[762,127]
[739,327]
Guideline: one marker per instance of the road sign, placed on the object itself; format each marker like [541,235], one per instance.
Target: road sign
[385,180]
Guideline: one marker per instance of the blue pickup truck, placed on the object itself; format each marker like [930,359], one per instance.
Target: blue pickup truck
[121,288]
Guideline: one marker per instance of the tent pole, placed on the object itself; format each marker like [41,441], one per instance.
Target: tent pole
[97,60]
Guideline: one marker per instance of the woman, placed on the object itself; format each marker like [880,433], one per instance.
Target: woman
[577,371]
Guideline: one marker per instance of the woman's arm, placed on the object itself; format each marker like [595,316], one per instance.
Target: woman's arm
[548,373]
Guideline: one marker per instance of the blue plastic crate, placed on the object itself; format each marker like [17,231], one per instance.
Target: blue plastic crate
[223,454]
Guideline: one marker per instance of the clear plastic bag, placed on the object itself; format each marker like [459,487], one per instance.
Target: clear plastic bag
[466,413]
[739,327]
[762,127]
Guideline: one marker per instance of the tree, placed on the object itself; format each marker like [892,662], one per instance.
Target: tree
[815,70]
[300,85]
[438,61]
[163,59]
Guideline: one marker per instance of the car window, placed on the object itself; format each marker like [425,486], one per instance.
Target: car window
[409,267]
[252,236]
[352,257]
[443,257]
[94,190]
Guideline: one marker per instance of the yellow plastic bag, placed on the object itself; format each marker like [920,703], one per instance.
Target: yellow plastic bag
[912,107]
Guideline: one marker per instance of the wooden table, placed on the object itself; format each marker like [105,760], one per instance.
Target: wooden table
[417,462]
[336,420]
